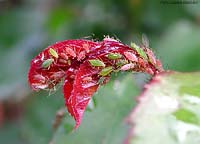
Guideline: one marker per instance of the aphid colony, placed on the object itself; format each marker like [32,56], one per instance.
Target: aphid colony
[84,65]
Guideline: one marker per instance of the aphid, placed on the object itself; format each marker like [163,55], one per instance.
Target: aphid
[141,62]
[40,78]
[86,47]
[70,51]
[69,62]
[114,56]
[131,56]
[107,38]
[151,56]
[159,65]
[47,63]
[57,75]
[87,79]
[53,53]
[127,67]
[106,71]
[81,55]
[72,76]
[145,41]
[103,80]
[96,62]
[64,56]
[63,61]
[121,62]
[37,86]
[139,50]
[149,71]
[51,86]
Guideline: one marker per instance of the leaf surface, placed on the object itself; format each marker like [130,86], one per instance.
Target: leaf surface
[168,111]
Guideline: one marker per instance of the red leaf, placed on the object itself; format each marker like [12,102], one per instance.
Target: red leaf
[84,86]
[82,64]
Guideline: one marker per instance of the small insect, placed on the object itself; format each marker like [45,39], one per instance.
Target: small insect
[127,67]
[96,63]
[86,47]
[57,75]
[131,56]
[159,65]
[106,71]
[53,53]
[108,38]
[47,63]
[69,62]
[40,78]
[63,61]
[114,56]
[81,55]
[151,56]
[69,51]
[145,41]
[72,76]
[150,71]
[37,86]
[103,80]
[87,79]
[64,56]
[139,50]
[121,62]
[141,62]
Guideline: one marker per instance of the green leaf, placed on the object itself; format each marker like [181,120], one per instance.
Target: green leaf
[106,71]
[164,115]
[96,62]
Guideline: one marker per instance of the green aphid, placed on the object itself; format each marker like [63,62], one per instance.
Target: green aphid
[69,62]
[114,56]
[139,50]
[96,62]
[102,80]
[53,53]
[121,62]
[47,63]
[106,71]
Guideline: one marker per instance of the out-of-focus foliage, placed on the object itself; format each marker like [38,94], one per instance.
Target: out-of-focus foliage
[168,111]
[26,27]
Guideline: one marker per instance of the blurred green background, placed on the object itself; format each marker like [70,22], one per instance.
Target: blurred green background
[28,26]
